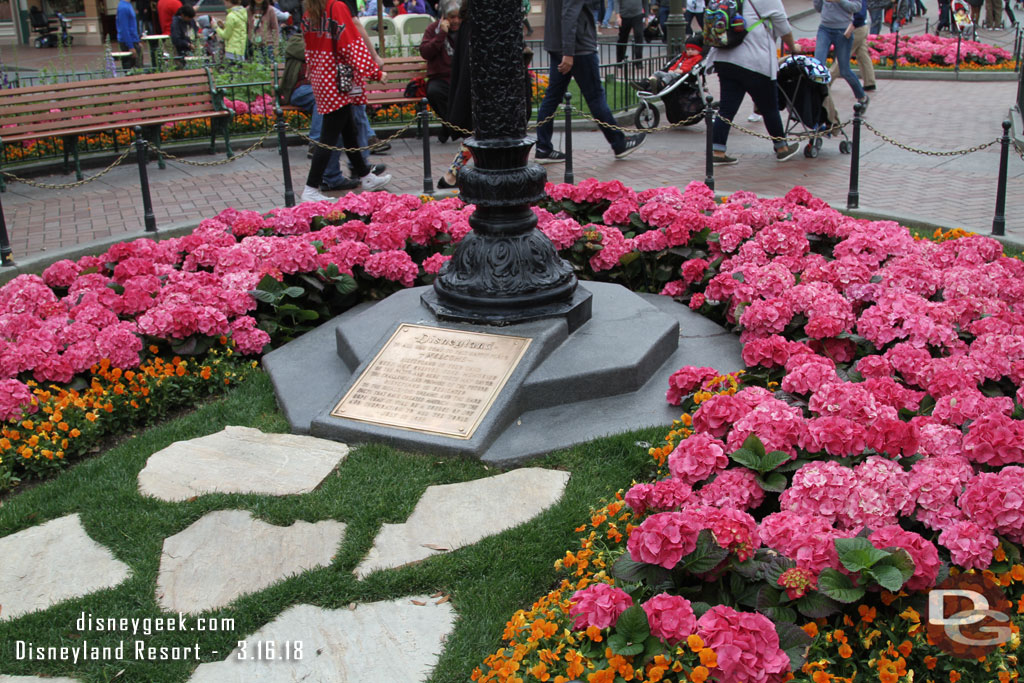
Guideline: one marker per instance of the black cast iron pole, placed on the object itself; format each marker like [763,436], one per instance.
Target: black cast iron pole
[282,146]
[428,181]
[709,145]
[853,196]
[999,221]
[569,177]
[147,201]
[5,243]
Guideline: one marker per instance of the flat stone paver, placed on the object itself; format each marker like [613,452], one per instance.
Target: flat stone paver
[397,640]
[451,516]
[240,460]
[53,562]
[229,553]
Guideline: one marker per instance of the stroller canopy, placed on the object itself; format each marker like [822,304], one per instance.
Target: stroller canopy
[806,65]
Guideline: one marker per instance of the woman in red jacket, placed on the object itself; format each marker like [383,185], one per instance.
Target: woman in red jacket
[331,39]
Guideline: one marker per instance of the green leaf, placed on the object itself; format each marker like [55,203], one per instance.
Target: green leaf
[705,557]
[738,276]
[632,624]
[699,607]
[269,284]
[753,443]
[767,597]
[774,459]
[886,576]
[839,586]
[627,569]
[791,466]
[901,559]
[858,553]
[747,458]
[293,292]
[817,605]
[774,568]
[621,646]
[779,615]
[773,482]
[261,295]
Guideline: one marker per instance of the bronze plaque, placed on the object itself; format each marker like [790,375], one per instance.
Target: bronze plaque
[434,380]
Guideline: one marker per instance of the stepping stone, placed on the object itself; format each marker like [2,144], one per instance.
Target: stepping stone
[396,641]
[36,679]
[53,562]
[229,553]
[451,516]
[240,460]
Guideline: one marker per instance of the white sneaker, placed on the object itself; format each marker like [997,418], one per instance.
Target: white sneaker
[312,194]
[754,118]
[375,182]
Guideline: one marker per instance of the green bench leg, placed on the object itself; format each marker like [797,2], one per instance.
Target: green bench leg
[154,133]
[74,151]
[226,122]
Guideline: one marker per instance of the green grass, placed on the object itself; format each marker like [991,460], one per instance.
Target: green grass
[487,582]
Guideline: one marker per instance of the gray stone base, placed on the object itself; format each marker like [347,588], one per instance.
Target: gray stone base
[607,377]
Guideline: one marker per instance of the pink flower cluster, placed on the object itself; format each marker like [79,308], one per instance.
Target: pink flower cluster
[598,605]
[746,645]
[670,617]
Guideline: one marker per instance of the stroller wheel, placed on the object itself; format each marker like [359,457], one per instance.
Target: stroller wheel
[39,42]
[811,150]
[844,147]
[646,116]
[817,143]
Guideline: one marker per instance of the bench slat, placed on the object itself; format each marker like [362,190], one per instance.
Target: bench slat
[85,130]
[16,98]
[90,104]
[122,82]
[126,120]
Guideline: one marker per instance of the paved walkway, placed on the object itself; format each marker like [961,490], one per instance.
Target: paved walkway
[934,115]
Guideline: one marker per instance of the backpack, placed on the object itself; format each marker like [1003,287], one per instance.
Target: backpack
[724,26]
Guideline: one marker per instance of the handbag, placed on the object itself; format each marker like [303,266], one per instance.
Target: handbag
[345,72]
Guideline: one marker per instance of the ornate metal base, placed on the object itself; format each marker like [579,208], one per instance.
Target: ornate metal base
[505,268]
[576,310]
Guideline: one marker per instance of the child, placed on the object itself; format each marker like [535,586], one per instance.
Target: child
[183,33]
[693,53]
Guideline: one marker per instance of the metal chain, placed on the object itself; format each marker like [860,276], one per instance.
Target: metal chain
[794,136]
[221,162]
[332,148]
[67,186]
[627,129]
[954,153]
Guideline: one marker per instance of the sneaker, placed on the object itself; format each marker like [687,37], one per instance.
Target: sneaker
[864,102]
[376,146]
[343,184]
[311,194]
[632,143]
[723,159]
[374,182]
[378,169]
[870,88]
[552,157]
[754,118]
[787,152]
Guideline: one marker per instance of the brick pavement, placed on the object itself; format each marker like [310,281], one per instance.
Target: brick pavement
[957,191]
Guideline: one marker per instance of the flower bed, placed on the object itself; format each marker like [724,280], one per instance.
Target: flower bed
[931,52]
[802,510]
[795,516]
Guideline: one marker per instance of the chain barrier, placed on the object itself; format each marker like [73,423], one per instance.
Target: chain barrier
[332,148]
[925,152]
[833,130]
[220,162]
[67,186]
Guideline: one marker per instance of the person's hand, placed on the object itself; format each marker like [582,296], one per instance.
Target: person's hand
[796,49]
[565,66]
[849,31]
[443,25]
[383,76]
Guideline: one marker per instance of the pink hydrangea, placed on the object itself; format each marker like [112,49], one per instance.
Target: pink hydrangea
[995,501]
[664,539]
[809,374]
[837,436]
[15,398]
[771,351]
[432,264]
[61,273]
[697,457]
[921,551]
[819,489]
[249,339]
[670,617]
[780,426]
[734,530]
[746,646]
[995,439]
[736,488]
[970,546]
[598,605]
[717,414]
[936,483]
[121,344]
[396,266]
[805,539]
[687,380]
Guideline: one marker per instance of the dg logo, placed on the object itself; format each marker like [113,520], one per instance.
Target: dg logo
[968,616]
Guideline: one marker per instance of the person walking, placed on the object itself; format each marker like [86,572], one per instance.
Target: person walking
[994,15]
[860,49]
[751,68]
[331,41]
[877,8]
[631,16]
[165,11]
[836,29]
[694,10]
[128,34]
[570,37]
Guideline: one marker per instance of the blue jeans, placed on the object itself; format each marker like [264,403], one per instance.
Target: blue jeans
[844,45]
[877,17]
[609,10]
[663,10]
[588,78]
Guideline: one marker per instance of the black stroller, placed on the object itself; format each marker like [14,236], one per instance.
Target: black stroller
[803,86]
[683,99]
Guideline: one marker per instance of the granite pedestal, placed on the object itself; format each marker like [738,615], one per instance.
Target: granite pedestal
[608,376]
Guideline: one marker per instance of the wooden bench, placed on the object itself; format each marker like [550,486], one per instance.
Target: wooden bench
[70,110]
[399,70]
